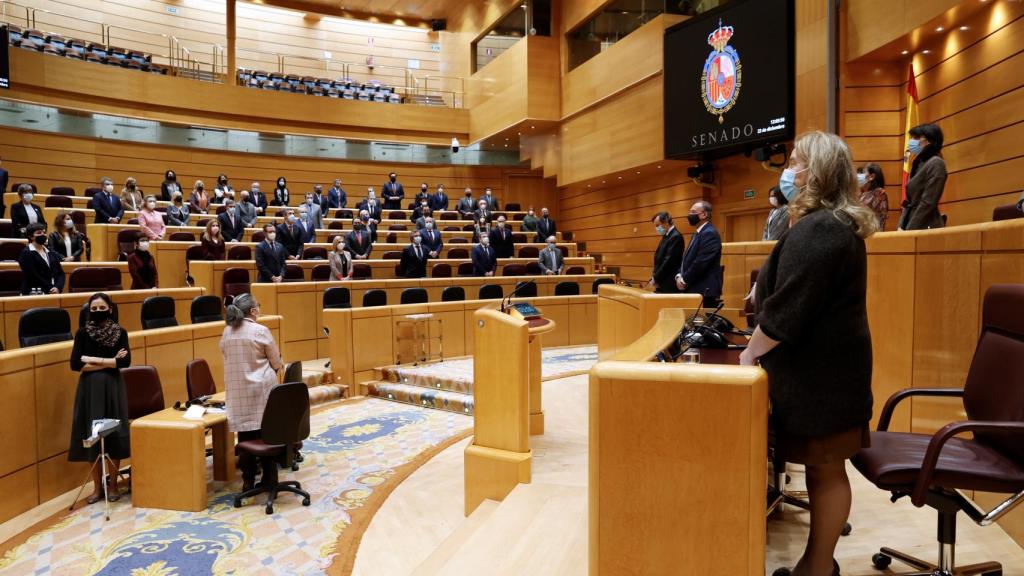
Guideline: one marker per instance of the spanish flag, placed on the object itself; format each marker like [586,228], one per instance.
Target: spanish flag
[912,120]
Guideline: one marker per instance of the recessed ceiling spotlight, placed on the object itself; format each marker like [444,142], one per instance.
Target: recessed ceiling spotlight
[939,29]
[637,171]
[602,181]
[905,52]
[620,177]
[659,165]
[926,51]
[962,28]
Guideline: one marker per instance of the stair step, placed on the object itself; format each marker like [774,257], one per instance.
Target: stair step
[426,397]
[424,379]
[539,529]
[451,545]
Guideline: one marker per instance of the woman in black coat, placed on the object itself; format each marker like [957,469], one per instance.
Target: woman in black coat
[40,267]
[65,240]
[927,179]
[20,212]
[100,351]
[812,335]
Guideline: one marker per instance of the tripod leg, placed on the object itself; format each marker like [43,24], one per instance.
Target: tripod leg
[106,496]
[82,487]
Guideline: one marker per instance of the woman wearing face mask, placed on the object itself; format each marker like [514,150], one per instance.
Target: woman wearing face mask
[872,192]
[41,272]
[212,241]
[281,195]
[812,335]
[178,212]
[529,221]
[142,266]
[199,201]
[131,196]
[223,190]
[481,229]
[100,351]
[151,222]
[927,179]
[778,218]
[340,260]
[169,186]
[65,240]
[25,212]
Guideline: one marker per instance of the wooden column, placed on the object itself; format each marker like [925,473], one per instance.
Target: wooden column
[230,73]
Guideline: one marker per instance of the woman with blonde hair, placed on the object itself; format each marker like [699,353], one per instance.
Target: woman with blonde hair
[151,222]
[812,335]
[340,260]
[131,196]
[199,201]
[65,240]
[213,244]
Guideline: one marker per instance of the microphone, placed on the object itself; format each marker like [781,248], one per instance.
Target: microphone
[507,301]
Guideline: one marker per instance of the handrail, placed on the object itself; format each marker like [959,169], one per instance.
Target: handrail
[103,30]
[6,3]
[461,92]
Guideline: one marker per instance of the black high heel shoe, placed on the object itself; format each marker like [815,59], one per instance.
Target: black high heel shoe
[788,571]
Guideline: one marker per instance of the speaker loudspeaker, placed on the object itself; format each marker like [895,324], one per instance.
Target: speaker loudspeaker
[439,24]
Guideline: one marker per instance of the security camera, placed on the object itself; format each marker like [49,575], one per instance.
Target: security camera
[455,145]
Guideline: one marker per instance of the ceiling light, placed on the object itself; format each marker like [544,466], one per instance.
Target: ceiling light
[939,29]
[905,52]
[637,171]
[602,181]
[962,28]
[659,166]
[926,51]
[620,177]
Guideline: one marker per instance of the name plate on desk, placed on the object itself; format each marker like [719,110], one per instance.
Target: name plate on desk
[524,310]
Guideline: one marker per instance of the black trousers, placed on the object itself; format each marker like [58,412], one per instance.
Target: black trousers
[249,464]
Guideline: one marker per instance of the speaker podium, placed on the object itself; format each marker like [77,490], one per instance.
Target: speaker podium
[538,325]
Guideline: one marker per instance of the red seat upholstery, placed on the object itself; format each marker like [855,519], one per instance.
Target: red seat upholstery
[94,279]
[199,379]
[145,393]
[440,270]
[239,253]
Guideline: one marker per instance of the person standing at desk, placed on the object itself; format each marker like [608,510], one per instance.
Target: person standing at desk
[668,256]
[701,272]
[778,219]
[812,335]
[100,351]
[251,363]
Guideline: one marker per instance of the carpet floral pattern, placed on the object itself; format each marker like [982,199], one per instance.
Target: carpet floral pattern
[353,451]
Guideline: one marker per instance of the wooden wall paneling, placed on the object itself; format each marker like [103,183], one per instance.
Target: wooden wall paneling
[576,12]
[874,23]
[969,60]
[810,66]
[18,429]
[543,85]
[1000,78]
[529,190]
[497,94]
[22,492]
[57,476]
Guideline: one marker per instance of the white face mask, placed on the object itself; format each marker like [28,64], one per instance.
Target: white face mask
[69,224]
[108,188]
[501,224]
[773,201]
[417,240]
[271,236]
[429,225]
[551,245]
[151,205]
[27,198]
[144,246]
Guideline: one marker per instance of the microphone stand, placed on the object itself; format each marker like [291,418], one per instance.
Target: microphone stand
[507,301]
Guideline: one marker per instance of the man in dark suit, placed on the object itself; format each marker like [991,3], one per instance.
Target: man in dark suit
[393,193]
[482,211]
[423,194]
[466,206]
[336,197]
[551,259]
[231,226]
[501,239]
[271,257]
[432,240]
[485,262]
[106,204]
[307,224]
[701,272]
[3,188]
[439,201]
[414,258]
[668,257]
[425,214]
[258,199]
[492,202]
[359,242]
[545,227]
[371,204]
[291,236]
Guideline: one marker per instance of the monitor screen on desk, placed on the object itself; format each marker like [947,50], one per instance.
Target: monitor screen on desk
[526,310]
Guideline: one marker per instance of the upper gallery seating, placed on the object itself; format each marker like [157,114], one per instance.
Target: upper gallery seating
[58,45]
[346,88]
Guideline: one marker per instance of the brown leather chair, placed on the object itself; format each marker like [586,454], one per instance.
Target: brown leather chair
[529,252]
[293,273]
[465,269]
[575,270]
[458,253]
[182,237]
[361,271]
[10,281]
[314,253]
[1006,212]
[320,273]
[285,424]
[239,253]
[94,279]
[514,270]
[235,283]
[58,202]
[459,241]
[748,305]
[439,270]
[145,393]
[10,251]
[392,255]
[934,469]
[199,379]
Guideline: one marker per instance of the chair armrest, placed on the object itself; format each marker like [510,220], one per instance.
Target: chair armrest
[931,456]
[890,404]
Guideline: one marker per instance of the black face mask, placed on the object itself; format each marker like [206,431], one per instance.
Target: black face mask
[693,219]
[99,316]
[393,178]
[423,189]
[39,240]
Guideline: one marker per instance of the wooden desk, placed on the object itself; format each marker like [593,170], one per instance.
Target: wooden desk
[169,459]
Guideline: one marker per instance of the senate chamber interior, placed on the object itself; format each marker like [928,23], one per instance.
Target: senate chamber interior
[512,287]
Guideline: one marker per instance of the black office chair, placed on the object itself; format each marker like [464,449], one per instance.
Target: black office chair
[375,297]
[285,424]
[526,289]
[597,284]
[337,297]
[453,294]
[293,372]
[158,312]
[44,326]
[206,308]
[414,296]
[490,292]
[567,289]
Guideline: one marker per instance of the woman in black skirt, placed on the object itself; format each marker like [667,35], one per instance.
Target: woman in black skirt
[100,351]
[812,335]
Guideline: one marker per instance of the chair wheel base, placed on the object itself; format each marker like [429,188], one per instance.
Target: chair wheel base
[238,502]
[305,501]
[847,528]
[881,561]
[782,572]
[270,509]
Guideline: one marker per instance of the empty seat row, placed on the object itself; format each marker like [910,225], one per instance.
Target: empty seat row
[38,326]
[339,296]
[345,88]
[58,45]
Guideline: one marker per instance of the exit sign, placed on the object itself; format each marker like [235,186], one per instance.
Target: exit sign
[171,10]
[748,194]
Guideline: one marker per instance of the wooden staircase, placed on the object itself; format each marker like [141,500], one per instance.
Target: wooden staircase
[539,529]
[395,384]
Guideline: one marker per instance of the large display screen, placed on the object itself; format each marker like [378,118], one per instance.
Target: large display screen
[729,79]
[5,65]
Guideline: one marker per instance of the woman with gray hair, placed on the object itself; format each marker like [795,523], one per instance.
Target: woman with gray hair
[251,363]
